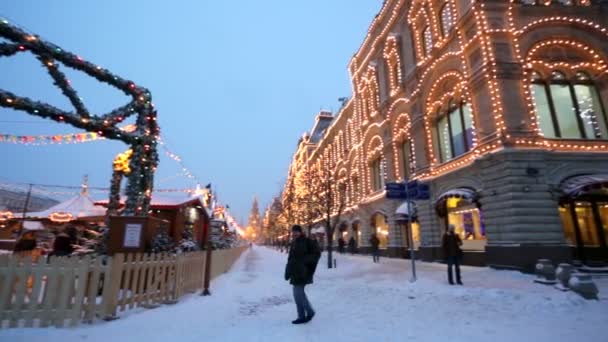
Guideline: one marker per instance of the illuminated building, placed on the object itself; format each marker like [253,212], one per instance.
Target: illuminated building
[501,107]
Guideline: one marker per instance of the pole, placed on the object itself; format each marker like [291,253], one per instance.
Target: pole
[25,205]
[410,236]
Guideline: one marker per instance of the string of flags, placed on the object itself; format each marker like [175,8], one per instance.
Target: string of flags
[73,138]
[50,139]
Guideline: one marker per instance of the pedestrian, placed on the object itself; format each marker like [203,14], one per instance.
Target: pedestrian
[375,243]
[26,243]
[352,245]
[302,262]
[341,244]
[62,246]
[451,249]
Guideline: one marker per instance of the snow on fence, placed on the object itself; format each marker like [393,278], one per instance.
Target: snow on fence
[65,291]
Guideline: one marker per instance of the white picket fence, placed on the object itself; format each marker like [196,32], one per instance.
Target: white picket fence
[66,291]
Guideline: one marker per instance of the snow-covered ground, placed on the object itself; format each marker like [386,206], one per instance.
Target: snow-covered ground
[358,301]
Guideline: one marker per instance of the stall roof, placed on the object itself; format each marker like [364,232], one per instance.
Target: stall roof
[163,202]
[80,206]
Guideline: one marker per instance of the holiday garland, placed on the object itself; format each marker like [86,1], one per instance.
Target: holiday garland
[143,139]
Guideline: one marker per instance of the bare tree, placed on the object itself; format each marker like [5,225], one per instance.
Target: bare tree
[330,198]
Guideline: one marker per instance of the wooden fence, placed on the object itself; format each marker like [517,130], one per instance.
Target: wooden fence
[65,291]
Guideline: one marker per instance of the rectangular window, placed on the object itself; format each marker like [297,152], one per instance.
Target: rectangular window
[591,112]
[377,175]
[543,111]
[457,132]
[467,114]
[565,111]
[405,159]
[443,137]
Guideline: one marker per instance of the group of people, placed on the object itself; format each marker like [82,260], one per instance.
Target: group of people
[62,243]
[352,245]
[304,255]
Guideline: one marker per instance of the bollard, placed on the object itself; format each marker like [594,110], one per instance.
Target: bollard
[583,285]
[545,272]
[563,274]
[335,263]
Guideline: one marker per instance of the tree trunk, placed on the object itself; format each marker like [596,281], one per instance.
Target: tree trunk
[330,240]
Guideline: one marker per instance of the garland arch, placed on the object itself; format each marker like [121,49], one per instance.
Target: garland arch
[143,140]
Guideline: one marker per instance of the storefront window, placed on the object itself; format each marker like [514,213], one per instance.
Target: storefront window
[586,222]
[415,234]
[569,232]
[356,232]
[467,219]
[381,229]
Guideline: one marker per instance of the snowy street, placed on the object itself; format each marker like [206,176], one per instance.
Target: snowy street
[358,301]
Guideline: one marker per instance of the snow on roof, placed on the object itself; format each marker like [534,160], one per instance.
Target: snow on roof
[32,225]
[163,200]
[80,206]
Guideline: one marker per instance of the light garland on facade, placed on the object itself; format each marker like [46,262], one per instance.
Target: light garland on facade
[357,135]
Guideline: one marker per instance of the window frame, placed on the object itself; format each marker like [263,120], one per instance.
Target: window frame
[405,164]
[447,113]
[570,82]
[377,180]
[446,31]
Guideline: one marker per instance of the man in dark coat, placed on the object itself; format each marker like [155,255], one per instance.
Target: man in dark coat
[62,246]
[341,244]
[375,243]
[302,262]
[451,250]
[352,245]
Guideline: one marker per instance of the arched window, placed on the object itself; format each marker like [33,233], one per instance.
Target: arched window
[447,22]
[427,40]
[454,131]
[568,108]
[405,156]
[377,174]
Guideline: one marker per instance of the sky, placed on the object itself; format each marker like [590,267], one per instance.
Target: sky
[235,83]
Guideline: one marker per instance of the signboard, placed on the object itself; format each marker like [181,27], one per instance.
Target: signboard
[413,190]
[132,235]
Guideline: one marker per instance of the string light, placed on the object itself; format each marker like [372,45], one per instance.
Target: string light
[358,122]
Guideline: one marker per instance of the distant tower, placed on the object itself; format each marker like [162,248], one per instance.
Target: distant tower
[254,226]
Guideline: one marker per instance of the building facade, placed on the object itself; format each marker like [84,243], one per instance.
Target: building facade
[500,106]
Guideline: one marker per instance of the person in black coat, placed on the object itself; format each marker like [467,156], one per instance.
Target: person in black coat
[62,246]
[341,244]
[302,262]
[375,243]
[451,250]
[352,245]
[26,243]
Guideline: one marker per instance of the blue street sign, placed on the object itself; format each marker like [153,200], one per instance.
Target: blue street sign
[396,194]
[413,190]
[394,186]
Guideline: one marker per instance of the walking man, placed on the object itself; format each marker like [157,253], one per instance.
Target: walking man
[451,249]
[375,243]
[302,262]
[352,245]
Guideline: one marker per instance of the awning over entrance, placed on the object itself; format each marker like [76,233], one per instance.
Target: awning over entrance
[458,193]
[406,209]
[587,184]
[464,193]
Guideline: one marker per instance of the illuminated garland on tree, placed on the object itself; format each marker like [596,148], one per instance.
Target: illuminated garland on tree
[143,140]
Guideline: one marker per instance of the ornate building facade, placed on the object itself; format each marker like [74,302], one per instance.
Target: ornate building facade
[500,106]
